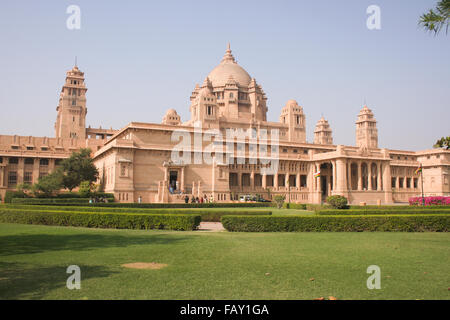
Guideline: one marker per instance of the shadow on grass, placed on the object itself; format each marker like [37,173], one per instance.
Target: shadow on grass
[37,243]
[17,281]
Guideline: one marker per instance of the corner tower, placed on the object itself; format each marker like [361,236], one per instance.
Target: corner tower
[366,129]
[292,115]
[323,133]
[71,117]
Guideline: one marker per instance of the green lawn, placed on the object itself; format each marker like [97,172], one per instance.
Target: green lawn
[222,265]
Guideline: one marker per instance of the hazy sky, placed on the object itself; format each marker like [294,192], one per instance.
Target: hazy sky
[142,57]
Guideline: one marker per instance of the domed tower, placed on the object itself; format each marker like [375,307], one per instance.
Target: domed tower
[204,105]
[171,118]
[71,116]
[292,115]
[323,133]
[366,129]
[238,96]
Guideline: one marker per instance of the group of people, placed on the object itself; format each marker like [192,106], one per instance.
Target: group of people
[203,199]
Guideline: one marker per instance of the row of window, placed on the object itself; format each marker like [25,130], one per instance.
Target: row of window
[246,182]
[29,148]
[27,177]
[42,162]
[401,182]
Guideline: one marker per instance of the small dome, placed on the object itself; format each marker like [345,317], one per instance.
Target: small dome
[171,112]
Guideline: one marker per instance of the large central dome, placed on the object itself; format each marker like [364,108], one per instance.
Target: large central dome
[227,68]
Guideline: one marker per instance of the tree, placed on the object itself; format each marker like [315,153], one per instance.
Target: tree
[436,20]
[79,167]
[443,142]
[48,185]
[279,200]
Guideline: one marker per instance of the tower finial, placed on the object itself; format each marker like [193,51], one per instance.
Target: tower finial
[228,56]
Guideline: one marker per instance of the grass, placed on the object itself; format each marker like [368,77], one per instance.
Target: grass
[222,265]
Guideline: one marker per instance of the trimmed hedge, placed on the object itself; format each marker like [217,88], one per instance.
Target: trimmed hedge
[400,207]
[408,223]
[51,201]
[102,220]
[383,211]
[151,205]
[210,216]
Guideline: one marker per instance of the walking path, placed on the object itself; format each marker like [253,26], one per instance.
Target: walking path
[211,226]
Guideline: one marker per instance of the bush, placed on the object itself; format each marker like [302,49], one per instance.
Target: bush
[51,201]
[279,200]
[337,202]
[162,205]
[101,220]
[210,216]
[430,201]
[382,211]
[409,223]
[10,195]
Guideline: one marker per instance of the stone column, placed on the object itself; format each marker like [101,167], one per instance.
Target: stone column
[297,181]
[349,175]
[275,180]
[387,183]
[286,180]
[2,176]
[20,170]
[397,183]
[182,180]
[359,176]
[252,180]
[379,176]
[369,178]
[35,170]
[264,182]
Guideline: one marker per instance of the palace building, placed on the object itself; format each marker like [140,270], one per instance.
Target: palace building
[227,149]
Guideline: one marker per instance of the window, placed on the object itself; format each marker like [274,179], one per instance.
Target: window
[209,110]
[28,177]
[393,182]
[57,162]
[303,180]
[44,148]
[1,160]
[400,182]
[12,178]
[30,148]
[43,162]
[231,95]
[408,183]
[73,102]
[15,147]
[13,160]
[123,170]
[416,180]
[29,161]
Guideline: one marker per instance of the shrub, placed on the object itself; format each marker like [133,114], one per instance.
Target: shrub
[279,200]
[409,223]
[101,220]
[10,195]
[162,205]
[50,201]
[382,211]
[429,201]
[337,202]
[211,216]
[85,189]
